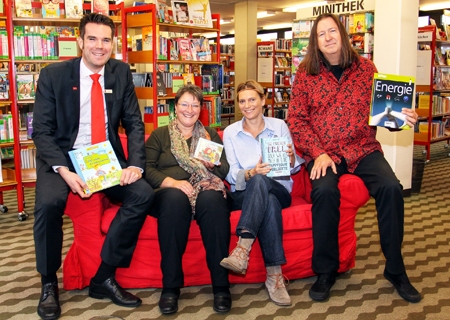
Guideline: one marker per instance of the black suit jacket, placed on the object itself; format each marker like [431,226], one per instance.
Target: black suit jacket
[56,112]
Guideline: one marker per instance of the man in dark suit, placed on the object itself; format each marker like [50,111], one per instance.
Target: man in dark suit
[62,122]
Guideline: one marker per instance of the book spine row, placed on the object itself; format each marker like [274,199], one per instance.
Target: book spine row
[36,46]
[28,157]
[283,44]
[3,44]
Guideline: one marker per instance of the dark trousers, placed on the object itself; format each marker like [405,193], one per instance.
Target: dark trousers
[383,186]
[120,242]
[174,214]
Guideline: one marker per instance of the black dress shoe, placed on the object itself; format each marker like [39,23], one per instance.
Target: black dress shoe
[168,303]
[48,307]
[112,290]
[320,290]
[222,302]
[404,288]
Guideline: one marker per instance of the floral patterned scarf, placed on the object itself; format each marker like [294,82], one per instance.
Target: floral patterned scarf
[201,178]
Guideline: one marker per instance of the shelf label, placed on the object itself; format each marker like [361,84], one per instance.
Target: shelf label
[425,36]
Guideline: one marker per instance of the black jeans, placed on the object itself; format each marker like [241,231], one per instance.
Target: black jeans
[383,186]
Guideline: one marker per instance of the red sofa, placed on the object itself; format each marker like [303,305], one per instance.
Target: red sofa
[91,219]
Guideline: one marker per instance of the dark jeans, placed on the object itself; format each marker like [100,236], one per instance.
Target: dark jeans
[383,186]
[261,203]
[121,239]
[174,214]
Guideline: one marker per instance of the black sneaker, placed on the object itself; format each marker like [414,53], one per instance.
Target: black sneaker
[404,288]
[320,290]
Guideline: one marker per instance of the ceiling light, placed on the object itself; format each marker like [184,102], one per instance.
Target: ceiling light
[434,6]
[226,21]
[304,5]
[265,14]
[278,26]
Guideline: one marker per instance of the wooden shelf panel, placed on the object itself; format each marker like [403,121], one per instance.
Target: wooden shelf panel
[9,178]
[144,92]
[140,56]
[139,20]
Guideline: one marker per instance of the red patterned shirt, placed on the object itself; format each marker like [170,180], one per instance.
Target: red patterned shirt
[331,116]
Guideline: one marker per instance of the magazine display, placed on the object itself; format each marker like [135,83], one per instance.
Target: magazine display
[208,150]
[273,152]
[390,93]
[97,165]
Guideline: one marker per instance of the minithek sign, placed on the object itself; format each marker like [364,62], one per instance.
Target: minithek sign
[337,8]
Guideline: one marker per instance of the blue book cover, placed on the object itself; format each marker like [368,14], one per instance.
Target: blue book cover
[97,165]
[273,152]
[390,93]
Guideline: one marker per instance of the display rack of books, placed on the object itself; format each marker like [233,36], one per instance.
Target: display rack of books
[359,26]
[274,73]
[166,55]
[36,33]
[433,89]
[228,91]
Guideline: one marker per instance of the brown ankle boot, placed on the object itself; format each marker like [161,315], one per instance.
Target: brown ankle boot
[275,285]
[237,261]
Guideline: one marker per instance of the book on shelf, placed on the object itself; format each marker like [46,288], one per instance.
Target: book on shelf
[147,38]
[97,166]
[174,52]
[216,71]
[149,79]
[301,28]
[50,9]
[199,13]
[188,78]
[25,86]
[184,47]
[208,150]
[177,83]
[162,11]
[273,151]
[29,117]
[23,8]
[180,11]
[4,87]
[100,6]
[359,22]
[139,79]
[73,9]
[390,93]
[369,21]
[160,85]
[138,4]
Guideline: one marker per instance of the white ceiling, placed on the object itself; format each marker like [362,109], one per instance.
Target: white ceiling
[226,10]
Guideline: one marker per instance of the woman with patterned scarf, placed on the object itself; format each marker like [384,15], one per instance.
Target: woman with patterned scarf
[186,189]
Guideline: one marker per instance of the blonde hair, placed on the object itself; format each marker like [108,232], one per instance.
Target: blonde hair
[250,85]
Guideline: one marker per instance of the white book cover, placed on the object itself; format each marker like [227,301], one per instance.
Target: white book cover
[274,153]
[74,9]
[208,150]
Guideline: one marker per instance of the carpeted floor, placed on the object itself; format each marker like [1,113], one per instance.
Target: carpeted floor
[361,294]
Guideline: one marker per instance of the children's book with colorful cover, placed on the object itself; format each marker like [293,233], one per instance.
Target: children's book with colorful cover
[184,47]
[200,13]
[73,9]
[147,38]
[23,8]
[50,9]
[4,93]
[180,11]
[273,151]
[97,165]
[216,71]
[25,86]
[208,150]
[100,6]
[390,93]
[359,22]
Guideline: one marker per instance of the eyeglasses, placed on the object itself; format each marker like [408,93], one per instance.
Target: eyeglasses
[186,105]
[52,1]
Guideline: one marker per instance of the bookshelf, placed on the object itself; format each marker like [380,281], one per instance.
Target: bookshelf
[228,91]
[274,73]
[158,60]
[432,89]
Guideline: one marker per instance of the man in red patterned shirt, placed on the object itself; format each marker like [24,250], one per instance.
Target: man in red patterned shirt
[328,119]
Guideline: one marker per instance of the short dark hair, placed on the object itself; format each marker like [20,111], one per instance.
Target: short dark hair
[191,89]
[98,19]
[314,57]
